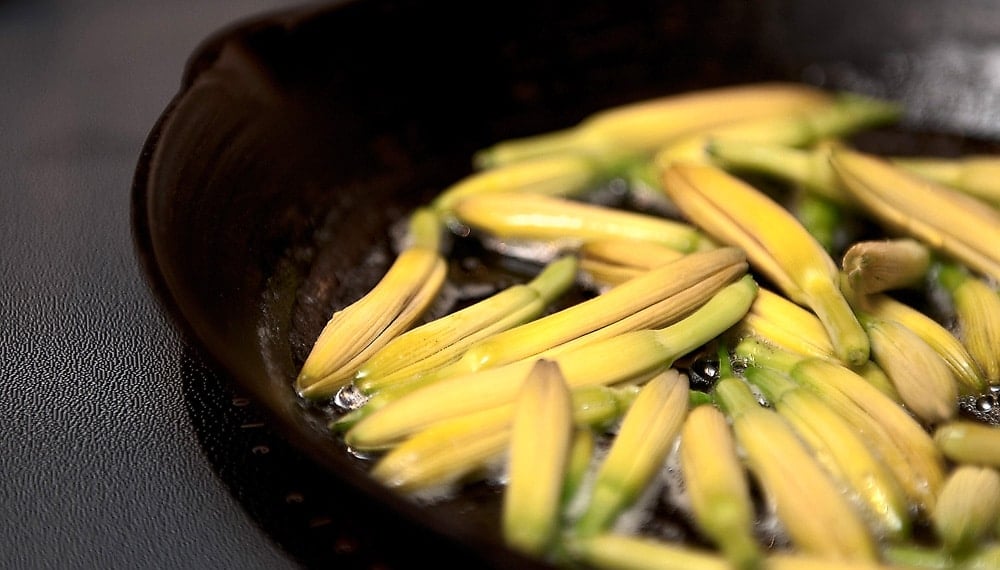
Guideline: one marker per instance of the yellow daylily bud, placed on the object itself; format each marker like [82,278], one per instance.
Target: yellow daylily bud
[629,552]
[559,175]
[443,340]
[611,262]
[354,333]
[968,507]
[628,356]
[639,128]
[787,325]
[567,224]
[976,175]
[944,219]
[617,310]
[904,445]
[716,484]
[816,514]
[907,450]
[662,297]
[839,448]
[539,453]
[776,245]
[878,266]
[920,375]
[646,435]
[808,169]
[963,366]
[843,115]
[446,452]
[969,442]
[454,448]
[977,310]
[629,252]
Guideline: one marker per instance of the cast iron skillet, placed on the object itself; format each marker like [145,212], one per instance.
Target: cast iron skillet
[298,138]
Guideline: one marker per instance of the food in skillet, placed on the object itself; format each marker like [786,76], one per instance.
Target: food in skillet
[798,390]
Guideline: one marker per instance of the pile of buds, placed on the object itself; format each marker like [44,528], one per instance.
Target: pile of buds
[825,423]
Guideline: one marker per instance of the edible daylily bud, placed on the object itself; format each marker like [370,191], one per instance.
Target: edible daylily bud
[977,310]
[963,366]
[610,262]
[639,128]
[539,453]
[629,552]
[976,175]
[636,355]
[969,442]
[808,169]
[776,320]
[945,219]
[568,224]
[903,443]
[923,380]
[716,483]
[878,266]
[443,340]
[354,333]
[560,175]
[839,448]
[843,115]
[646,435]
[968,507]
[817,516]
[446,452]
[454,448]
[776,244]
[649,295]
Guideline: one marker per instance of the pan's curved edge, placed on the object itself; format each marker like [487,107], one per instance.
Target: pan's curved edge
[461,544]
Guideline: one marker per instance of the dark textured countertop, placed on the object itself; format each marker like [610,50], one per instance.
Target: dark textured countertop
[101,463]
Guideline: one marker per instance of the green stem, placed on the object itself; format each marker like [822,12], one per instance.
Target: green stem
[909,556]
[757,353]
[425,229]
[710,320]
[821,217]
[734,396]
[555,278]
[772,383]
[952,276]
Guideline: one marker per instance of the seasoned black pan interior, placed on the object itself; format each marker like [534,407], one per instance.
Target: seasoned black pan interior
[266,192]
